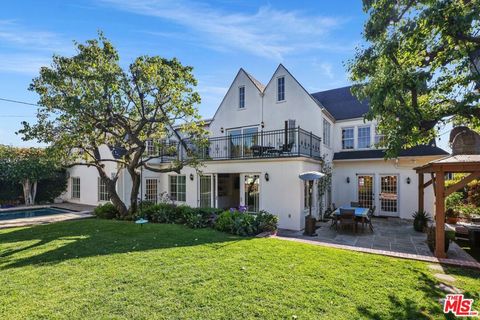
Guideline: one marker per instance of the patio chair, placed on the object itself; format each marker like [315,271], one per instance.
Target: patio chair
[369,217]
[354,204]
[347,218]
[284,148]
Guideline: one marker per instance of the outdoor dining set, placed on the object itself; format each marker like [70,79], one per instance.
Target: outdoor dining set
[350,216]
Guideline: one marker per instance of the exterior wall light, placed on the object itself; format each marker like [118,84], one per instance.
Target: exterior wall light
[222,130]
[348,179]
[408,180]
[267,177]
[191,176]
[262,124]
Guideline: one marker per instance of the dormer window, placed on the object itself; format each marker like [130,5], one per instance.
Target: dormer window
[281,89]
[364,137]
[347,138]
[241,98]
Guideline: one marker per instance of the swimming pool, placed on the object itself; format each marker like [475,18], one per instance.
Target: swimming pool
[28,213]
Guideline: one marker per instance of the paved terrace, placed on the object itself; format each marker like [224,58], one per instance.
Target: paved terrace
[392,236]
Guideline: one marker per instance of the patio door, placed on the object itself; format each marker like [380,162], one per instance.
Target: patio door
[388,198]
[250,192]
[240,141]
[207,191]
[366,190]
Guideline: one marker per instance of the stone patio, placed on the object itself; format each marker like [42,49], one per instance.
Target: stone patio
[390,234]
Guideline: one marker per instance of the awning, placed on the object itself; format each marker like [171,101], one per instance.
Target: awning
[311,175]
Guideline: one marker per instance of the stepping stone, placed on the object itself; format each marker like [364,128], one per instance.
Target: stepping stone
[435,267]
[447,288]
[444,277]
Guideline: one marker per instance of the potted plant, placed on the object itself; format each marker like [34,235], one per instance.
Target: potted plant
[420,220]
[452,216]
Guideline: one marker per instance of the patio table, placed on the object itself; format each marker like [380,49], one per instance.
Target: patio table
[361,213]
[260,150]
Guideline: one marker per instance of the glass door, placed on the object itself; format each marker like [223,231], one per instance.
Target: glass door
[235,143]
[250,191]
[388,195]
[365,190]
[250,138]
[206,186]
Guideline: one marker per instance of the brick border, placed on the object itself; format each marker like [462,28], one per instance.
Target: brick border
[452,262]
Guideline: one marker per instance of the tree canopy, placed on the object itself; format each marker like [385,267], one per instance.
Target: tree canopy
[419,68]
[89,100]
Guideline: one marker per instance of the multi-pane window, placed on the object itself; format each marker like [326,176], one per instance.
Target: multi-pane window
[326,132]
[102,190]
[75,188]
[347,138]
[150,147]
[281,89]
[178,189]
[379,138]
[241,97]
[364,137]
[151,190]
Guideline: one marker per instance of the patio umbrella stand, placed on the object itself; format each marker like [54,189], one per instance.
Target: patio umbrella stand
[310,221]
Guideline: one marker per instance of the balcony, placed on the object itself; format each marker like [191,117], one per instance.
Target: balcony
[294,142]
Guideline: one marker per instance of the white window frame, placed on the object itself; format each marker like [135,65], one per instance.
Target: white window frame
[369,137]
[241,97]
[102,191]
[150,148]
[149,196]
[283,89]
[74,190]
[352,138]
[327,129]
[377,137]
[174,194]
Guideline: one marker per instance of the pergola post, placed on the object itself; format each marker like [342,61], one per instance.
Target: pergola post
[440,215]
[420,192]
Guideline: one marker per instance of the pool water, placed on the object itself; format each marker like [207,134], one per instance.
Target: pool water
[28,213]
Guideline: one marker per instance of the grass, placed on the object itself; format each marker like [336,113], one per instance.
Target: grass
[117,270]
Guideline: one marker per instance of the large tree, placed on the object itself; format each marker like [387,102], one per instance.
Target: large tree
[88,100]
[419,68]
[27,167]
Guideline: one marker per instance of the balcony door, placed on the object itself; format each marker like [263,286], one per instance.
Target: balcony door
[240,141]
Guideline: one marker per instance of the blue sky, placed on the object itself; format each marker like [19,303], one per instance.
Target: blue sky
[311,38]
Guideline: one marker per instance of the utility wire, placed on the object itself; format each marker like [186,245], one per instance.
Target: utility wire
[20,102]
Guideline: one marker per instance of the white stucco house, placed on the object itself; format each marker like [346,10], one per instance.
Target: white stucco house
[262,137]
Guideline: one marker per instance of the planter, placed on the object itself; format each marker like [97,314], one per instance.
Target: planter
[452,220]
[431,240]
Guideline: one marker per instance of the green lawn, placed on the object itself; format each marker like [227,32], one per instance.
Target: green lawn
[117,270]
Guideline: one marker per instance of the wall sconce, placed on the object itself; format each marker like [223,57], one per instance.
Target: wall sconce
[262,124]
[408,180]
[267,177]
[348,179]
[191,176]
[222,130]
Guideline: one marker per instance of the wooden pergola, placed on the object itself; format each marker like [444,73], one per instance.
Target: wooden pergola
[437,170]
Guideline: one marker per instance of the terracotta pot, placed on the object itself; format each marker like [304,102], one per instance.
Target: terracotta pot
[452,220]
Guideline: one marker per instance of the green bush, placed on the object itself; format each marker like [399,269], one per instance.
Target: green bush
[266,222]
[224,222]
[106,211]
[454,200]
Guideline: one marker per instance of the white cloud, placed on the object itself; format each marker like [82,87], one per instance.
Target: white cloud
[23,63]
[267,32]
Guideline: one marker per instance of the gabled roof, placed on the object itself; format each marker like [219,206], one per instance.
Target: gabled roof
[341,104]
[418,151]
[260,86]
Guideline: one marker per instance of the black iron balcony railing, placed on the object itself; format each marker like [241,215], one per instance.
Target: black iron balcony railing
[292,142]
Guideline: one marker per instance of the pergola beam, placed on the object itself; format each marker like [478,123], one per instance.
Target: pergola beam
[462,183]
[440,215]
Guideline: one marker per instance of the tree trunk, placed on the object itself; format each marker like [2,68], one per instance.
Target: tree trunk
[112,193]
[135,190]
[29,191]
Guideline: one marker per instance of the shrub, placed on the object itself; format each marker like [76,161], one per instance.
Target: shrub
[420,220]
[266,222]
[106,211]
[454,200]
[224,222]
[473,193]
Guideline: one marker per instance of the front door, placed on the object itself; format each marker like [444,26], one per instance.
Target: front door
[207,191]
[250,192]
[388,197]
[366,190]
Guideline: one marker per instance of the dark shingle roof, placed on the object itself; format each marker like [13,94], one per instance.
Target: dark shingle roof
[341,104]
[424,150]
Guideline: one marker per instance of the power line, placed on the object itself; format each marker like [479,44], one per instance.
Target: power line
[20,102]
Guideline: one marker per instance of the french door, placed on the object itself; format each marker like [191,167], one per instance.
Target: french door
[366,190]
[207,191]
[388,198]
[250,192]
[241,141]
